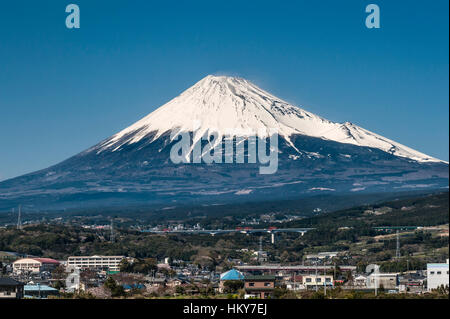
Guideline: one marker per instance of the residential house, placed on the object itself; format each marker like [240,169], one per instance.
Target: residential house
[259,286]
[231,275]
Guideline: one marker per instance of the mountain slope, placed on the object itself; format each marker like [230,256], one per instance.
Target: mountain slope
[133,167]
[227,103]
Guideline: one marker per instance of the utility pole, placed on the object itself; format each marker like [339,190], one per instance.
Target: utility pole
[317,287]
[334,276]
[295,287]
[376,280]
[397,252]
[376,284]
[111,236]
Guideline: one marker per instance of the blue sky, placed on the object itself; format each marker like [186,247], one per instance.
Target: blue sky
[62,91]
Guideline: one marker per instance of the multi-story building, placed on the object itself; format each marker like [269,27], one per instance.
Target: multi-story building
[34,265]
[110,263]
[310,281]
[437,275]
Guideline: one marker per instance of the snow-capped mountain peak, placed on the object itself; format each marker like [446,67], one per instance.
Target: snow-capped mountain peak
[224,104]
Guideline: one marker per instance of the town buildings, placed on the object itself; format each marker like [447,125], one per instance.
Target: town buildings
[322,256]
[412,281]
[281,269]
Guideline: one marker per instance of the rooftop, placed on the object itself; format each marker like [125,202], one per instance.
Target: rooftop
[41,260]
[6,281]
[47,260]
[260,278]
[232,274]
[437,265]
[28,288]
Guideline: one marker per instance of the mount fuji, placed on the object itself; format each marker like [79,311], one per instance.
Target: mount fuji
[315,155]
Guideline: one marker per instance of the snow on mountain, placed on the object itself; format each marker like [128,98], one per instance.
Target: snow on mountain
[222,103]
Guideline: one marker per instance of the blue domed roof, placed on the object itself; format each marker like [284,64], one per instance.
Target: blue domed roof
[232,274]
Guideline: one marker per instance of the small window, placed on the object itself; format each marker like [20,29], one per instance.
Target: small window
[267,284]
[318,279]
[439,272]
[308,279]
[431,272]
[251,284]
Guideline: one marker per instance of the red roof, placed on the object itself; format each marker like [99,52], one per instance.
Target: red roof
[47,260]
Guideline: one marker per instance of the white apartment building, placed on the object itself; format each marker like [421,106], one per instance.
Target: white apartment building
[437,275]
[317,280]
[111,263]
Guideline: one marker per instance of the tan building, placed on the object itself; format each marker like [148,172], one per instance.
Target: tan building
[382,280]
[259,286]
[311,281]
[34,265]
[111,263]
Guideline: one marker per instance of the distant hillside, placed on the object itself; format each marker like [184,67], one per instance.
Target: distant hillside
[428,210]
